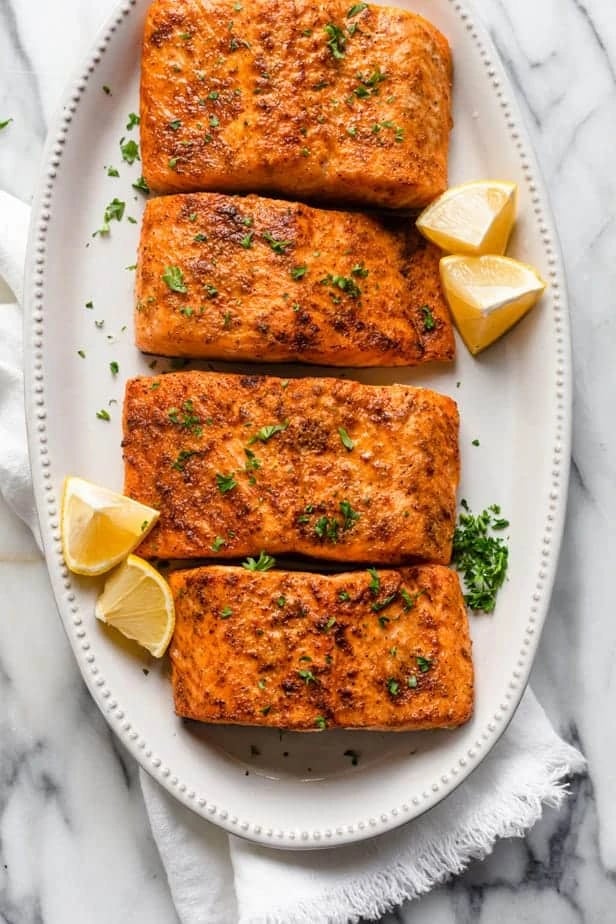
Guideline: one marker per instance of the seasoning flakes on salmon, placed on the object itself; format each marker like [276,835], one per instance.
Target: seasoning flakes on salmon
[384,650]
[328,468]
[305,99]
[228,277]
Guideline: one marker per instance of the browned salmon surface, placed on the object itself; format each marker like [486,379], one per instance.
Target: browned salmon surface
[328,468]
[295,97]
[383,650]
[235,278]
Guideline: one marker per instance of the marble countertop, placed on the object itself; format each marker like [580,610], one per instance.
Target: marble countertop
[75,844]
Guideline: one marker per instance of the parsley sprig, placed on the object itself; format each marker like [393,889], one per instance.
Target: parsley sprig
[263,563]
[481,557]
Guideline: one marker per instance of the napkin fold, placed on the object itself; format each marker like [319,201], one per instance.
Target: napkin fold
[216,878]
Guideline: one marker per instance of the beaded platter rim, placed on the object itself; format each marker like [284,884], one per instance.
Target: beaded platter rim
[48,502]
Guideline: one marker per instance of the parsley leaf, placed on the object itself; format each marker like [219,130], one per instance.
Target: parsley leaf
[307,676]
[320,722]
[226,612]
[409,599]
[225,483]
[344,283]
[183,456]
[263,563]
[218,544]
[381,604]
[174,277]
[114,367]
[344,596]
[428,318]
[111,171]
[103,415]
[393,686]
[276,245]
[424,664]
[327,528]
[267,432]
[175,124]
[130,151]
[375,581]
[355,9]
[298,272]
[345,439]
[246,241]
[350,516]
[141,185]
[133,119]
[5,123]
[336,40]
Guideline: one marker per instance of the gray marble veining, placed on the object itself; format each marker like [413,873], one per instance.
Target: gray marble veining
[74,839]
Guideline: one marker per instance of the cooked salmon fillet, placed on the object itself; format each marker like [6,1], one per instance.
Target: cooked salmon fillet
[321,467]
[386,650]
[227,277]
[295,97]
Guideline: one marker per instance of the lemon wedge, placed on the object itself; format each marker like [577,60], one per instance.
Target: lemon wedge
[99,527]
[137,601]
[474,218]
[488,295]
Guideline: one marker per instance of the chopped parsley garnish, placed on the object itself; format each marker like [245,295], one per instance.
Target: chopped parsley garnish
[172,162]
[218,544]
[225,483]
[114,367]
[106,90]
[352,131]
[214,121]
[192,217]
[133,119]
[175,124]
[145,525]
[276,245]
[99,324]
[355,9]
[424,664]
[411,681]
[480,557]
[327,528]
[141,184]
[307,676]
[399,136]
[81,353]
[174,277]
[226,612]
[383,621]
[375,581]
[281,602]
[475,443]
[344,596]
[262,684]
[183,457]
[211,291]
[320,722]
[381,604]
[345,439]
[199,238]
[351,753]
[428,318]
[89,304]
[344,283]
[409,599]
[103,414]
[111,171]
[213,94]
[393,686]
[336,40]
[359,270]
[187,419]
[130,151]
[298,272]
[4,123]
[263,563]
[267,432]
[246,241]
[113,212]
[266,709]
[350,516]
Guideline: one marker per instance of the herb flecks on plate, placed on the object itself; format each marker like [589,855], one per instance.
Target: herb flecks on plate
[481,557]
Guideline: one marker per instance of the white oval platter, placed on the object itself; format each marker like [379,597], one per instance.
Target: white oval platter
[283,789]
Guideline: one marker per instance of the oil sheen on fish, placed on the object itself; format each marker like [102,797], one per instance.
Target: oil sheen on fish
[328,468]
[387,650]
[228,277]
[311,100]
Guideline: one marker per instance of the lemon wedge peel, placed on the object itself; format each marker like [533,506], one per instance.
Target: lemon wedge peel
[100,527]
[137,601]
[475,218]
[487,295]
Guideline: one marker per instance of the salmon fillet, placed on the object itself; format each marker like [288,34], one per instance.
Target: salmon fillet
[328,468]
[386,650]
[273,281]
[295,97]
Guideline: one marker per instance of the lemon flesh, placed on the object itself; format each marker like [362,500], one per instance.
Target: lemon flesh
[474,218]
[488,295]
[137,601]
[100,527]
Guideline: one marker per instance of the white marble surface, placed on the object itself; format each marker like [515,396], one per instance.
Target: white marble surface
[74,839]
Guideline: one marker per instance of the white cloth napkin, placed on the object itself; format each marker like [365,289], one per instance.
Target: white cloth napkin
[219,879]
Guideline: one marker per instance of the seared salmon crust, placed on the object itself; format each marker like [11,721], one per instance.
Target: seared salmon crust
[295,97]
[277,281]
[386,650]
[328,468]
